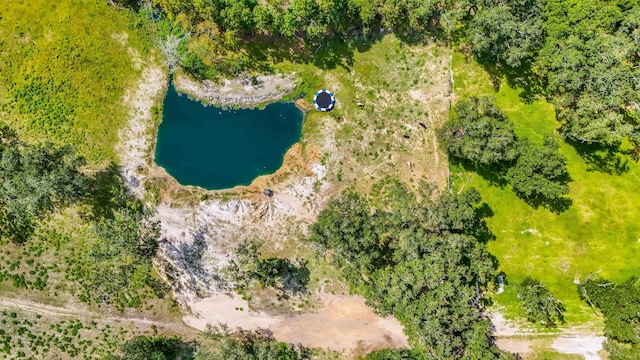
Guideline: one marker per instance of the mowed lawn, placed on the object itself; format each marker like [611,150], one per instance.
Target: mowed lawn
[599,233]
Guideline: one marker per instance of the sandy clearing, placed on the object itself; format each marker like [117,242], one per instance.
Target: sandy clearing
[227,309]
[507,328]
[587,345]
[342,323]
[345,322]
[515,346]
[135,142]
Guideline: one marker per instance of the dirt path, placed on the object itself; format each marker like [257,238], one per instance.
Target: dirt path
[79,311]
[572,340]
[343,323]
[587,346]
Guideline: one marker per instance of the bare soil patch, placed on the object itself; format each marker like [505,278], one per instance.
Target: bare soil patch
[515,346]
[588,346]
[342,323]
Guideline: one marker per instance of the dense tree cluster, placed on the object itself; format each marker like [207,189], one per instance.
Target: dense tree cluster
[507,31]
[418,260]
[586,53]
[308,19]
[214,33]
[34,180]
[620,305]
[114,264]
[479,133]
[539,303]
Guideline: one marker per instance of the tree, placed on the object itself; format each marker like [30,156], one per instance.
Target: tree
[539,303]
[620,305]
[507,31]
[590,61]
[247,345]
[119,255]
[348,230]
[34,180]
[150,348]
[427,293]
[480,133]
[540,175]
[248,267]
[395,354]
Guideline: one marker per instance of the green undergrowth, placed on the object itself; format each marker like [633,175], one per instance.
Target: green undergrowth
[64,68]
[598,233]
[25,335]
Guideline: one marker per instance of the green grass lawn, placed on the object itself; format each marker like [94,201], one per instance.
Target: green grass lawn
[598,233]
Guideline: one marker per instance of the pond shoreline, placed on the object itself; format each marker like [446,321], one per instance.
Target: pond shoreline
[251,142]
[244,93]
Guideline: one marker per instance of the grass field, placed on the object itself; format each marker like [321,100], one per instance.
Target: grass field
[599,233]
[64,66]
[399,86]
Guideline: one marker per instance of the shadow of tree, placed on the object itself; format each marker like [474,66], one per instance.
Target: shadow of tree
[556,206]
[607,159]
[530,84]
[338,51]
[107,193]
[482,232]
[296,278]
[495,175]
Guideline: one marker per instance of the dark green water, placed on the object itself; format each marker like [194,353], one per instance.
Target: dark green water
[219,149]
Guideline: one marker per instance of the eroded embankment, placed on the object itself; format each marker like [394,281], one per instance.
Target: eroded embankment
[244,92]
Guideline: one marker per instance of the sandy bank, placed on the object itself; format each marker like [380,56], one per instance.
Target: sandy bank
[244,92]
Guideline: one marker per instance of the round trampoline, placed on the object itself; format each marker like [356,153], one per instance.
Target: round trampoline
[324,100]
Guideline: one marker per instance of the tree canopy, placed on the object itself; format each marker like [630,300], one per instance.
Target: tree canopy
[585,53]
[540,173]
[148,348]
[34,180]
[620,305]
[539,303]
[224,344]
[417,261]
[479,132]
[509,32]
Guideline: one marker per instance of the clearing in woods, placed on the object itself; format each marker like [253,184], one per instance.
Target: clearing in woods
[599,233]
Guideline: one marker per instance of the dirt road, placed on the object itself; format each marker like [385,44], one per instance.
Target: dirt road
[79,311]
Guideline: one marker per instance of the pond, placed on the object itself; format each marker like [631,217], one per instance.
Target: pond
[214,148]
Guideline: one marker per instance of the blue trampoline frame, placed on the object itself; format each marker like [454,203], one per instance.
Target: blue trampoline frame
[318,107]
